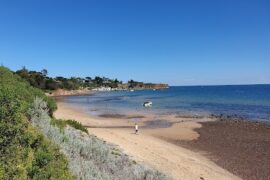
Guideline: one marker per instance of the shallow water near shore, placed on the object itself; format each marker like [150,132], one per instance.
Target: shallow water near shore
[247,101]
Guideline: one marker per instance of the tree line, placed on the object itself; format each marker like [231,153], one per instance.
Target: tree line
[42,81]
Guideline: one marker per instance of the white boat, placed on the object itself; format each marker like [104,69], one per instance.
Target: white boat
[132,90]
[147,104]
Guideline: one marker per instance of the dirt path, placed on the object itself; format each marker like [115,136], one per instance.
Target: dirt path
[176,161]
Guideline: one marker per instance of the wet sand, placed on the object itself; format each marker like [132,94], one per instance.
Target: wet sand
[241,147]
[121,116]
[153,145]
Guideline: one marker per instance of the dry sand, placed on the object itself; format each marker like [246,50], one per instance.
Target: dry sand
[150,146]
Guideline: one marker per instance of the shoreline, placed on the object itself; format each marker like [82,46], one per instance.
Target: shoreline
[148,146]
[121,111]
[86,91]
[240,146]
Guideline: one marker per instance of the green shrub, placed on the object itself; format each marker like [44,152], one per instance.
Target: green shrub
[24,152]
[23,90]
[76,125]
[63,123]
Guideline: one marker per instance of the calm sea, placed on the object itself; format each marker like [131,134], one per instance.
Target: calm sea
[248,101]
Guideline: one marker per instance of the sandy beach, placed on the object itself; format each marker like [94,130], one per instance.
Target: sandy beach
[153,146]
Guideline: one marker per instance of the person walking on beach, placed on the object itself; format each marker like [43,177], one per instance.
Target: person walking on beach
[136,128]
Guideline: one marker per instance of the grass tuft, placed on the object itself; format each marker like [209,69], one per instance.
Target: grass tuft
[63,123]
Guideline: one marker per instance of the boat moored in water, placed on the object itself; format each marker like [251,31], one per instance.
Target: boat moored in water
[147,104]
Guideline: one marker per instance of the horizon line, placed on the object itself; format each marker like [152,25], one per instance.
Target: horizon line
[259,84]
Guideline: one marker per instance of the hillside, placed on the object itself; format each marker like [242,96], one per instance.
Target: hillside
[35,145]
[24,152]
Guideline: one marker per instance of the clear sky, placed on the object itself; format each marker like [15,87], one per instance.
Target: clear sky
[178,42]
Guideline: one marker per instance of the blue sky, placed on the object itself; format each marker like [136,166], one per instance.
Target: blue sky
[179,42]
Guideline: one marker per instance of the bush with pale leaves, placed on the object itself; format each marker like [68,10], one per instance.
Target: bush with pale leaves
[89,157]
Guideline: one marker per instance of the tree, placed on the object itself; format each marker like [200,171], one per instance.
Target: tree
[51,84]
[98,80]
[116,81]
[44,72]
[88,78]
[23,72]
[60,78]
[131,83]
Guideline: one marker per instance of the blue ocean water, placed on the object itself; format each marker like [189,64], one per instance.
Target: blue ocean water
[248,101]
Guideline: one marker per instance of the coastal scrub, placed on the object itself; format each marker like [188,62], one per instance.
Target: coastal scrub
[88,156]
[24,152]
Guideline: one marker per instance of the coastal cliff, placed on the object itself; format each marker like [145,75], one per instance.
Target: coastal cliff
[64,92]
[155,86]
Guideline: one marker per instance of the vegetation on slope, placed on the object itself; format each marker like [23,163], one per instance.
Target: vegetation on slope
[64,123]
[23,90]
[42,81]
[89,157]
[29,135]
[24,152]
